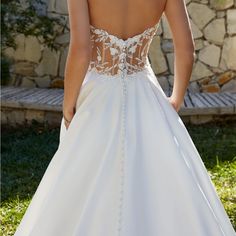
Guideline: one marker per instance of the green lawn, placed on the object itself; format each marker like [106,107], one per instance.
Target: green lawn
[26,152]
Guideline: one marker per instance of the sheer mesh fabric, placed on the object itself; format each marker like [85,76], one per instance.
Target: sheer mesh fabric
[112,55]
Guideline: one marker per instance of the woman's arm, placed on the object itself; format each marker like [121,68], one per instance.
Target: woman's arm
[79,54]
[177,16]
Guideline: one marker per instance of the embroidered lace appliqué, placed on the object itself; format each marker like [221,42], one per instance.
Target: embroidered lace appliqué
[112,55]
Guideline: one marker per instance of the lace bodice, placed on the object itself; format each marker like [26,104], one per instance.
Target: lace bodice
[112,55]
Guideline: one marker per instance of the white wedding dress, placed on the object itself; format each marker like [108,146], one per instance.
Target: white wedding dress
[126,166]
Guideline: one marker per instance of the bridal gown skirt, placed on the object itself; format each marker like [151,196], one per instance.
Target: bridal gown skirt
[126,166]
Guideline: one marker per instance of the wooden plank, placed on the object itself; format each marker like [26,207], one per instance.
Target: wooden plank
[227,99]
[220,107]
[33,98]
[35,106]
[231,96]
[13,92]
[188,101]
[30,92]
[45,95]
[217,100]
[57,101]
[205,99]
[46,99]
[197,102]
[18,95]
[209,99]
[54,100]
[203,109]
[42,96]
[10,90]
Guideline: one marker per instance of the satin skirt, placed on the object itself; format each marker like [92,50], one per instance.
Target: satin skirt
[126,166]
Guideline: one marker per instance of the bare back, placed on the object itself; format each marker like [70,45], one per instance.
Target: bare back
[125,18]
[120,22]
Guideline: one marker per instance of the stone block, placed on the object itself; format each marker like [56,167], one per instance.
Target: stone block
[43,82]
[211,88]
[225,77]
[51,5]
[159,29]
[215,31]
[62,63]
[217,70]
[170,59]
[163,81]
[167,46]
[210,55]
[53,117]
[198,44]
[49,63]
[220,14]
[28,82]
[57,83]
[229,53]
[61,7]
[15,117]
[9,52]
[34,115]
[23,68]
[231,21]
[19,53]
[221,5]
[229,87]
[200,14]
[171,80]
[32,49]
[166,28]
[187,1]
[63,38]
[156,56]
[200,119]
[195,30]
[193,87]
[200,71]
[204,80]
[3,116]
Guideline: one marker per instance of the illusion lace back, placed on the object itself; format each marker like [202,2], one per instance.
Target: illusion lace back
[112,55]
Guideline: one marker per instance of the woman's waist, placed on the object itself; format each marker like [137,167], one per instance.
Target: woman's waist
[127,72]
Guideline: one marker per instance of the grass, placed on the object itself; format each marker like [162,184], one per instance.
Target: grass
[26,153]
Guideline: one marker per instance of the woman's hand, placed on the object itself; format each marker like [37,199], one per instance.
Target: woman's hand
[175,103]
[68,114]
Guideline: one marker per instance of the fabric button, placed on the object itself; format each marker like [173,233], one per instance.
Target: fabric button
[121,66]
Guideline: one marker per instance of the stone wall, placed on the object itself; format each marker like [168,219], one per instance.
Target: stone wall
[213,24]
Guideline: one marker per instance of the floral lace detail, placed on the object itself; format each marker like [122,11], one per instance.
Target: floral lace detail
[112,55]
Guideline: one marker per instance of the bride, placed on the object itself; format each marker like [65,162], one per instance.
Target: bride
[126,164]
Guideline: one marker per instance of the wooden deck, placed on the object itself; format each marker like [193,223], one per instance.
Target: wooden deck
[44,104]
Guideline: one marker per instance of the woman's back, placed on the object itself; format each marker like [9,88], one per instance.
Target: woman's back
[125,18]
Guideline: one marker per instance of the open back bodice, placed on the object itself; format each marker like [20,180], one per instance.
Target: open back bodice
[112,55]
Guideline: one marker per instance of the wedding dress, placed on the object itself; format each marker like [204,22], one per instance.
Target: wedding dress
[126,166]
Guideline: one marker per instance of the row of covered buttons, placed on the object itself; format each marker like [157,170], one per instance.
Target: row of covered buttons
[123,57]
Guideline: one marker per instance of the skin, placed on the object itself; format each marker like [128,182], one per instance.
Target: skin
[126,18]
